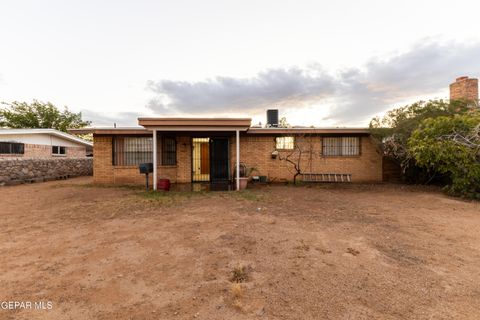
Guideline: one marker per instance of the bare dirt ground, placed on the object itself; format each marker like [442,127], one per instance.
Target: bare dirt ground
[280,252]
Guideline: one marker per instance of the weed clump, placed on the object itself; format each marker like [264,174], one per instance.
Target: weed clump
[239,274]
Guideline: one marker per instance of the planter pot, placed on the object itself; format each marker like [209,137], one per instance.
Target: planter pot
[163,184]
[243,183]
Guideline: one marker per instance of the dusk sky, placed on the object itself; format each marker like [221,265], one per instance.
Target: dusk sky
[323,63]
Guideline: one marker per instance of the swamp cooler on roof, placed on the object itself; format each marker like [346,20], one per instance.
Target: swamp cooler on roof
[272,118]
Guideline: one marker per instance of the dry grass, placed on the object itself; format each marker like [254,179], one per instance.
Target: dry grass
[236,290]
[237,304]
[239,274]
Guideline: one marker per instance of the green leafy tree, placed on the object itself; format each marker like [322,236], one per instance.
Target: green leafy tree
[39,115]
[283,123]
[451,145]
[393,131]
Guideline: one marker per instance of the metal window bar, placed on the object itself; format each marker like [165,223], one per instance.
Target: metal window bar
[169,151]
[131,151]
[200,159]
[341,146]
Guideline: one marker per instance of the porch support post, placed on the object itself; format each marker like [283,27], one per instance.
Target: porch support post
[154,159]
[237,144]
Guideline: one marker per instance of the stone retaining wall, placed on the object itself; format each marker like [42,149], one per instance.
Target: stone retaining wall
[16,171]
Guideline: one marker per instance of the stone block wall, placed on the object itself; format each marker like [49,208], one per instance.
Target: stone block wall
[21,170]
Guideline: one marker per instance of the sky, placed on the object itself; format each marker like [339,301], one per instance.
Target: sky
[322,63]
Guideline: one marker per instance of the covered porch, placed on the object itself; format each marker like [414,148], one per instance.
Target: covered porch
[210,140]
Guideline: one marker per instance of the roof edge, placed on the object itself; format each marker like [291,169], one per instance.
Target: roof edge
[195,122]
[315,130]
[54,132]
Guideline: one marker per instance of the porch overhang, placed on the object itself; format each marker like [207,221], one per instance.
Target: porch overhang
[196,124]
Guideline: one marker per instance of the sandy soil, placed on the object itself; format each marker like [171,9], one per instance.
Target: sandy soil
[321,252]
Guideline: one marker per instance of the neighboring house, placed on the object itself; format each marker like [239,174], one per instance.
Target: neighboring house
[205,150]
[42,143]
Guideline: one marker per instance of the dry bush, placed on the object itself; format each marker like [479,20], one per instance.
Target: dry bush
[236,290]
[239,274]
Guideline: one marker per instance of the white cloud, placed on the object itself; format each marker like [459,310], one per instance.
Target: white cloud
[109,119]
[351,95]
[280,87]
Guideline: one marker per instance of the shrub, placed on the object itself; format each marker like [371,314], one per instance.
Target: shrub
[451,145]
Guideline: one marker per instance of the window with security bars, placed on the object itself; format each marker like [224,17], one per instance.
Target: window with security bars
[12,148]
[131,151]
[341,146]
[285,143]
[169,151]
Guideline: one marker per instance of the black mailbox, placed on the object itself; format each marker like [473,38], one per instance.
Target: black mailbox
[146,167]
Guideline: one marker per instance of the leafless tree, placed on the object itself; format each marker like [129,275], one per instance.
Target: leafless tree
[470,140]
[300,156]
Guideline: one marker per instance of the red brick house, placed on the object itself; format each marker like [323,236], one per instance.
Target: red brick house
[189,150]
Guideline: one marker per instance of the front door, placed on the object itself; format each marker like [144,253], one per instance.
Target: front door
[219,160]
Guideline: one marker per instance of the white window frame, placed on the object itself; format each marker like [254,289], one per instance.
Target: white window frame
[285,143]
[59,149]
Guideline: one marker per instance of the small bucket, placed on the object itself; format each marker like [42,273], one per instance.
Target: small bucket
[164,184]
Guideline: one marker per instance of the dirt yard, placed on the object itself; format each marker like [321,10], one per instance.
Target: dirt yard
[280,252]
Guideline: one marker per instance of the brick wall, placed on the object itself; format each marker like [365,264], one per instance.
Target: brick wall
[184,159]
[76,152]
[464,88]
[102,159]
[41,151]
[255,152]
[106,173]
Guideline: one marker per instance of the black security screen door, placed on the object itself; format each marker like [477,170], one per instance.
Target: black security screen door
[219,160]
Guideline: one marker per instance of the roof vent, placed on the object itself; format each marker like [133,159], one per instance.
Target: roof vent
[272,118]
